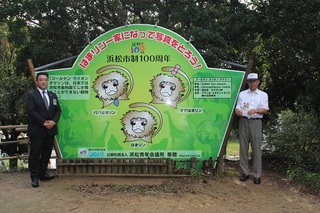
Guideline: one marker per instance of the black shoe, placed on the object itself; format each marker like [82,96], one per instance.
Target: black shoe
[257,180]
[35,182]
[46,177]
[244,177]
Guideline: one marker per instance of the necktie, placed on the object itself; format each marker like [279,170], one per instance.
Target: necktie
[45,99]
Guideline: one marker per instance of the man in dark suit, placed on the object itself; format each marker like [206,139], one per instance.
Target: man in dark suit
[44,112]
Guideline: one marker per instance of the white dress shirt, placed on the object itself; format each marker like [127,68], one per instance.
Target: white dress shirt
[248,100]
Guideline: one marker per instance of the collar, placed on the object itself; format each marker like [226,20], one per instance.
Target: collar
[40,90]
[250,92]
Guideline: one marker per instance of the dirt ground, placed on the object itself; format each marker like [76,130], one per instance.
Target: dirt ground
[223,193]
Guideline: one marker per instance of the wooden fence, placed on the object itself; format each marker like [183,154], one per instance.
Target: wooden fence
[20,143]
[148,167]
[115,166]
[109,167]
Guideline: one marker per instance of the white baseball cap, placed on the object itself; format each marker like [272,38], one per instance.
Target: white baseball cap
[252,77]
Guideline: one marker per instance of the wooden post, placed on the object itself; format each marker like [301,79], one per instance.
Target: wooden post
[126,169]
[120,165]
[145,167]
[32,71]
[233,116]
[33,74]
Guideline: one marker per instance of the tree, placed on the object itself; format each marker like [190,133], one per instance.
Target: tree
[240,27]
[280,36]
[289,52]
[13,84]
[59,29]
[13,88]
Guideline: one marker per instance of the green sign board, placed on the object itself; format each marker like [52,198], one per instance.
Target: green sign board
[143,91]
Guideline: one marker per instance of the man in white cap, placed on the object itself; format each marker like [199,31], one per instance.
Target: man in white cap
[251,105]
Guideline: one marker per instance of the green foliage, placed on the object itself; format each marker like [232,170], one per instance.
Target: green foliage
[239,25]
[5,164]
[311,180]
[295,141]
[295,138]
[13,85]
[12,99]
[288,52]
[233,148]
[48,31]
[280,36]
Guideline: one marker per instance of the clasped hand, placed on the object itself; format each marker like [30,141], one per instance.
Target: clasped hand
[49,124]
[250,112]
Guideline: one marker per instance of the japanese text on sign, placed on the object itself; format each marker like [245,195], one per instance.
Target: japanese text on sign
[103,153]
[71,87]
[136,34]
[212,87]
[138,58]
[191,110]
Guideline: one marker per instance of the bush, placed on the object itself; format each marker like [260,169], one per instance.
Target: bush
[294,137]
[295,141]
[310,180]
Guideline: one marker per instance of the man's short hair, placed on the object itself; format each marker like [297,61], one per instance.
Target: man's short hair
[42,73]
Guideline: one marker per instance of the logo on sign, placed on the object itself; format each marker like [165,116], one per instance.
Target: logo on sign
[83,152]
[137,48]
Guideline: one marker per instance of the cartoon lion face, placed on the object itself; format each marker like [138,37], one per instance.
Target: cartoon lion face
[138,125]
[166,89]
[110,87]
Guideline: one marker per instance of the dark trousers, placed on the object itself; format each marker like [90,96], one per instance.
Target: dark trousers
[40,153]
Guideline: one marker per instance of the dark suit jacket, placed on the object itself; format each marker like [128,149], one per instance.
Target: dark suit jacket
[38,113]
